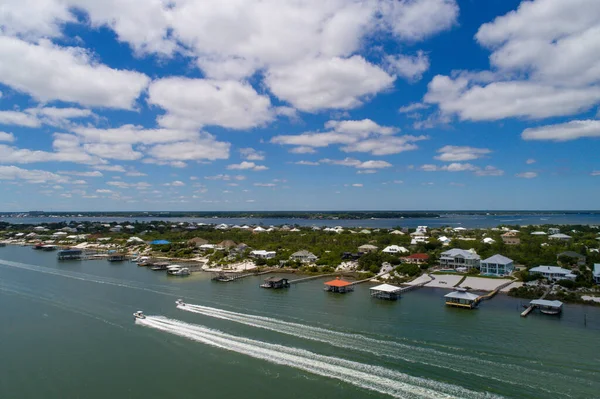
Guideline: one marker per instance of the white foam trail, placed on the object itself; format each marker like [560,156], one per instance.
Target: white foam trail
[375,378]
[412,354]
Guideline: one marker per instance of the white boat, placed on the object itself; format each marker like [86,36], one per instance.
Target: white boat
[180,271]
[139,315]
[179,302]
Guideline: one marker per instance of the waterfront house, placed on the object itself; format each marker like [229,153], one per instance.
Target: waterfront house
[577,258]
[338,286]
[511,238]
[553,272]
[417,258]
[560,237]
[596,273]
[385,291]
[276,283]
[497,265]
[444,240]
[462,299]
[304,256]
[419,239]
[262,254]
[367,248]
[395,249]
[553,230]
[456,257]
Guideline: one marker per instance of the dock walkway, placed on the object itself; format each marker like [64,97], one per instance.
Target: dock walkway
[531,307]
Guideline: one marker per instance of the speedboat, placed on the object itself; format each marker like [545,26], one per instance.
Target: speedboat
[179,302]
[182,271]
[139,315]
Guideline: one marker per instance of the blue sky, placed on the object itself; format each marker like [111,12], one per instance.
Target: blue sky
[299,105]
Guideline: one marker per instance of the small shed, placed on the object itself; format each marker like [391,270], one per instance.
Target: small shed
[339,286]
[385,291]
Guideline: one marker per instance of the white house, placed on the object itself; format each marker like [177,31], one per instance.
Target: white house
[395,249]
[553,230]
[304,256]
[262,254]
[397,232]
[455,257]
[553,272]
[497,265]
[207,247]
[444,240]
[539,233]
[488,240]
[597,273]
[259,230]
[560,237]
[365,231]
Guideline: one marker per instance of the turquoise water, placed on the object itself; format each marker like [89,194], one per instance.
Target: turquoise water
[67,331]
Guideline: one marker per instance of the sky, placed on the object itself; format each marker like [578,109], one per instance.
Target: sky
[299,105]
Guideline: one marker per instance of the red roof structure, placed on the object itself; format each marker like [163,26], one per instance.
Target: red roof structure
[338,283]
[418,256]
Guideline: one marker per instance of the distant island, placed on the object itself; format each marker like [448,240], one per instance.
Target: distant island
[311,215]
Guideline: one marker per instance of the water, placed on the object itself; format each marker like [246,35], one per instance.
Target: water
[469,221]
[67,331]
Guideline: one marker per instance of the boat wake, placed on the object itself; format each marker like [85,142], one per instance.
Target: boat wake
[503,373]
[374,378]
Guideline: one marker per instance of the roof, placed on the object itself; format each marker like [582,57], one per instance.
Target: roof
[550,269]
[386,288]
[462,295]
[418,256]
[367,246]
[597,269]
[159,242]
[338,283]
[498,259]
[559,236]
[545,302]
[539,233]
[462,252]
[395,248]
[276,279]
[303,252]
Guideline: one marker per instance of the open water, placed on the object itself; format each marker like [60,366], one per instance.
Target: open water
[67,331]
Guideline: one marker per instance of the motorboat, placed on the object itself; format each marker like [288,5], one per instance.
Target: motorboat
[139,315]
[182,271]
[179,302]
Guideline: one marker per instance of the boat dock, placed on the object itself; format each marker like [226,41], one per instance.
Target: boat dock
[535,303]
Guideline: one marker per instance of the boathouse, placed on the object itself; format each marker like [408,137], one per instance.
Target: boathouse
[339,286]
[70,254]
[547,307]
[276,283]
[117,257]
[462,299]
[385,291]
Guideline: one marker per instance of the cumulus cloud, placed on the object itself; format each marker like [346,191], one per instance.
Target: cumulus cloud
[30,175]
[48,72]
[357,185]
[451,153]
[225,177]
[564,131]
[252,155]
[19,119]
[463,167]
[355,163]
[307,163]
[7,137]
[265,184]
[412,107]
[530,161]
[247,166]
[193,103]
[327,83]
[302,150]
[409,67]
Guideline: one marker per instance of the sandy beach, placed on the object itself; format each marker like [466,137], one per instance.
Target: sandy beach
[483,284]
[444,281]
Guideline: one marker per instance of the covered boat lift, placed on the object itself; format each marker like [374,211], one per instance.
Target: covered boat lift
[462,299]
[339,286]
[386,291]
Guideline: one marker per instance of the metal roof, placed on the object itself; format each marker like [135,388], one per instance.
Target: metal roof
[498,259]
[545,302]
[386,288]
[550,269]
[462,252]
[462,295]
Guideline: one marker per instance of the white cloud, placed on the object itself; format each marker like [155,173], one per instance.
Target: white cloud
[595,173]
[48,72]
[203,148]
[19,119]
[7,137]
[193,103]
[409,67]
[66,149]
[463,167]
[132,134]
[564,131]
[247,166]
[366,172]
[307,163]
[177,183]
[124,152]
[355,136]
[30,175]
[265,184]
[527,175]
[416,20]
[530,161]
[110,168]
[332,83]
[82,174]
[412,107]
[225,177]
[357,185]
[451,153]
[303,150]
[357,164]
[489,171]
[252,155]
[104,191]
